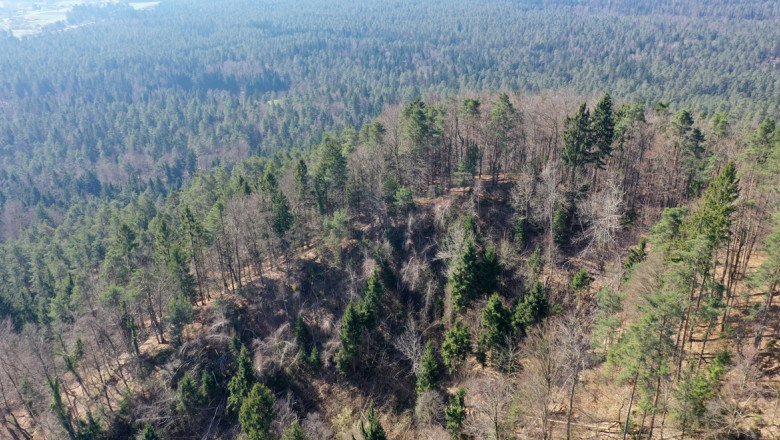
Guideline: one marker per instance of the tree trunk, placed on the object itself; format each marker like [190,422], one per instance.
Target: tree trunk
[630,403]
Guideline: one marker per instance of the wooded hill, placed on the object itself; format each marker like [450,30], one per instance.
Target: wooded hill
[254,220]
[489,265]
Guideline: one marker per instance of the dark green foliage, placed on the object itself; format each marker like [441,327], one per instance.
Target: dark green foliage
[60,410]
[349,336]
[577,140]
[149,433]
[532,308]
[474,276]
[581,280]
[712,218]
[314,361]
[187,395]
[282,215]
[374,431]
[696,388]
[209,389]
[257,412]
[560,226]
[490,269]
[294,432]
[302,335]
[371,303]
[456,345]
[242,381]
[520,233]
[607,323]
[330,179]
[89,429]
[635,255]
[455,413]
[535,263]
[179,315]
[602,130]
[403,200]
[428,371]
[497,321]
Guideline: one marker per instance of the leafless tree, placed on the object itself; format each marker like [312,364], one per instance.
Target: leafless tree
[489,397]
[574,343]
[734,408]
[410,344]
[543,375]
[429,408]
[600,216]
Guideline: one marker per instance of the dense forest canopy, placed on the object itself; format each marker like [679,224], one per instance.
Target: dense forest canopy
[158,93]
[316,220]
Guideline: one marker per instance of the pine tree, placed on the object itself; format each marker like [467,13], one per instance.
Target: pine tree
[577,140]
[283,217]
[59,409]
[602,131]
[241,383]
[187,395]
[257,412]
[456,345]
[428,372]
[581,280]
[712,218]
[374,430]
[149,433]
[294,432]
[371,303]
[463,278]
[532,308]
[455,413]
[490,269]
[302,335]
[560,226]
[497,321]
[208,387]
[349,336]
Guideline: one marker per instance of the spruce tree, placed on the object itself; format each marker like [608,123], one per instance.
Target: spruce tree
[374,430]
[283,217]
[532,308]
[257,412]
[149,433]
[187,395]
[371,303]
[463,278]
[497,321]
[455,413]
[577,140]
[428,372]
[490,269]
[349,336]
[602,131]
[294,432]
[242,381]
[456,345]
[581,280]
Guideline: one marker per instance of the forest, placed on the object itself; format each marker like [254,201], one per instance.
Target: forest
[404,220]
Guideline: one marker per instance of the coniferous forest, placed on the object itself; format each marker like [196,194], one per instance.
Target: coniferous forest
[246,219]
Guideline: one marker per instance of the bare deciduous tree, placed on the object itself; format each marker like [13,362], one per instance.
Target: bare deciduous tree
[574,344]
[410,344]
[600,216]
[489,398]
[543,374]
